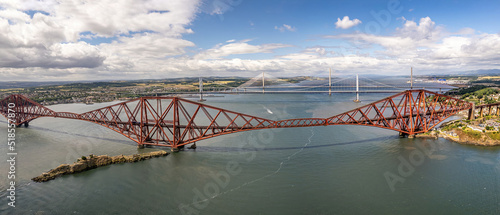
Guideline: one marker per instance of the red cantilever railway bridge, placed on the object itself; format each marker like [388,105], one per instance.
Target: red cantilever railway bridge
[175,122]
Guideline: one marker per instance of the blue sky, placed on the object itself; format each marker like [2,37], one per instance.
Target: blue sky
[318,17]
[80,40]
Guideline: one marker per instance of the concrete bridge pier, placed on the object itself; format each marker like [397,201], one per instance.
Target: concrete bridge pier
[403,135]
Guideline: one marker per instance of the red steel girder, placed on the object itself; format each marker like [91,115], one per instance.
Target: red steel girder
[24,108]
[410,112]
[174,122]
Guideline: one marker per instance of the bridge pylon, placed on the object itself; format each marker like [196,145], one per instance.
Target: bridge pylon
[357,89]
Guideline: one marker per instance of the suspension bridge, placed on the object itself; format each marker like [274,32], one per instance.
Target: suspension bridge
[175,122]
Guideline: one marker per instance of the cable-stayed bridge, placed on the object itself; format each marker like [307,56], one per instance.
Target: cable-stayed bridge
[266,83]
[346,84]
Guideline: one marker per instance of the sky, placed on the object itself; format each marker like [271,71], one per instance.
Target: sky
[81,40]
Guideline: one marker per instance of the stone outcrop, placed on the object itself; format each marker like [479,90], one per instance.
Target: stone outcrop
[463,138]
[91,162]
[432,134]
[484,140]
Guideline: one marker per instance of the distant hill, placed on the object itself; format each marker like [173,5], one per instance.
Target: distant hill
[27,84]
[24,84]
[473,72]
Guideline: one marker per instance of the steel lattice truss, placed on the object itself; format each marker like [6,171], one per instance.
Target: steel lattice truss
[410,112]
[174,122]
[24,108]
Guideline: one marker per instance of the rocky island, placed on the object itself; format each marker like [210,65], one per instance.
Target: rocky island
[92,162]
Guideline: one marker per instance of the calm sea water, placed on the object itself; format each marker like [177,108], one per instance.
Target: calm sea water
[319,170]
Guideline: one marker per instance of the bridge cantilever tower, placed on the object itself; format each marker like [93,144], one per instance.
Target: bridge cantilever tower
[175,122]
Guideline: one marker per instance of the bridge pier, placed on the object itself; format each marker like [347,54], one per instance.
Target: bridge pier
[193,146]
[26,124]
[357,98]
[472,111]
[177,149]
[201,90]
[409,136]
[330,83]
[140,146]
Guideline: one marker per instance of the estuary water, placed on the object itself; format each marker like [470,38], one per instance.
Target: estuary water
[316,170]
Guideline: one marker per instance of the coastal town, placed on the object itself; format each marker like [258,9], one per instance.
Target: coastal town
[106,91]
[483,130]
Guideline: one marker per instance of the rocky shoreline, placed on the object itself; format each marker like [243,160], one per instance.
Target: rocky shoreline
[92,162]
[462,138]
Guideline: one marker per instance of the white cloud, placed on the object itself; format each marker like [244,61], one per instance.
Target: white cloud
[67,55]
[14,15]
[465,31]
[430,48]
[144,30]
[236,48]
[285,27]
[346,23]
[141,52]
[426,29]
[145,40]
[424,45]
[405,39]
